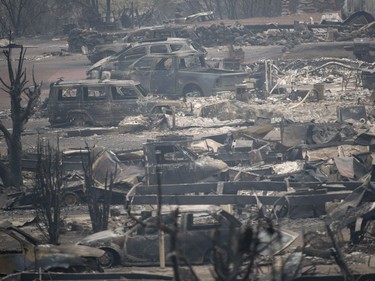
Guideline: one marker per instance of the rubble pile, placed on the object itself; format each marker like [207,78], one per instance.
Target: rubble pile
[313,6]
[235,34]
[220,34]
[90,38]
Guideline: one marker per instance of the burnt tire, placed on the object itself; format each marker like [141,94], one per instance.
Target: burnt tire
[192,91]
[109,259]
[208,257]
[70,199]
[78,120]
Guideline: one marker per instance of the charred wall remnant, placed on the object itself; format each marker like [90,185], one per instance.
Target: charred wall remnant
[352,6]
[314,6]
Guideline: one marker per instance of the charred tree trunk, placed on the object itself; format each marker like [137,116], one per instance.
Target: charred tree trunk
[231,6]
[14,11]
[19,94]
[48,191]
[15,144]
[98,199]
[218,6]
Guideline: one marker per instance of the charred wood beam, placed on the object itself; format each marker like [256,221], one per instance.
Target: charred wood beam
[300,200]
[263,27]
[30,165]
[329,277]
[30,276]
[234,187]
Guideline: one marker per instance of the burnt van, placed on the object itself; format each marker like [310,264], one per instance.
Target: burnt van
[101,102]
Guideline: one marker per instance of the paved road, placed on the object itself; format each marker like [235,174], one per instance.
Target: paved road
[47,67]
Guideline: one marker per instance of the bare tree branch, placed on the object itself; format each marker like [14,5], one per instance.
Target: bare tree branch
[5,131]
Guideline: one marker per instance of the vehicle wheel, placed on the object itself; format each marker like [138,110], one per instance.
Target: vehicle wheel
[70,199]
[93,265]
[108,259]
[192,91]
[218,256]
[78,120]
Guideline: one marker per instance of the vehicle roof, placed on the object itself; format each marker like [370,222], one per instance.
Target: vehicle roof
[175,54]
[156,41]
[193,16]
[149,42]
[8,228]
[92,82]
[168,210]
[162,40]
[193,209]
[196,210]
[159,27]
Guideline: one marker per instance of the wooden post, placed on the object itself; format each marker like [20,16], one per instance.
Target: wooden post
[161,249]
[266,75]
[173,118]
[267,70]
[132,14]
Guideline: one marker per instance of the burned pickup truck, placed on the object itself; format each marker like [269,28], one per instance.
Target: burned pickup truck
[180,74]
[125,57]
[139,245]
[164,160]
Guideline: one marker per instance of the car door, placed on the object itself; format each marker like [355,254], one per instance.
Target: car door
[16,252]
[125,102]
[163,79]
[196,236]
[142,244]
[61,101]
[173,165]
[97,105]
[159,49]
[141,71]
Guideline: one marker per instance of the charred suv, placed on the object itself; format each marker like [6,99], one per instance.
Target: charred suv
[100,102]
[178,75]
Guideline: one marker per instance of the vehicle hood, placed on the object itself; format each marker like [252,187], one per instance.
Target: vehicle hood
[102,237]
[99,64]
[211,163]
[209,166]
[74,250]
[107,163]
[111,45]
